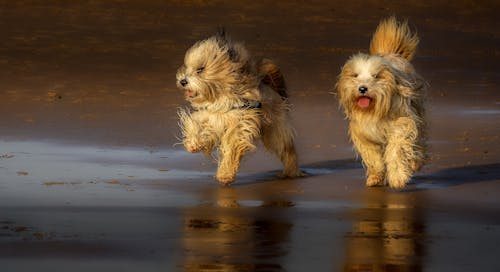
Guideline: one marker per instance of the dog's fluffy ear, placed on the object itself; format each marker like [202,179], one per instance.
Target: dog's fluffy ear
[408,84]
[405,91]
[225,42]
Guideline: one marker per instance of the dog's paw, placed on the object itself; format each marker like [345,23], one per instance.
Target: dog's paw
[225,179]
[398,180]
[292,174]
[397,184]
[374,180]
[193,146]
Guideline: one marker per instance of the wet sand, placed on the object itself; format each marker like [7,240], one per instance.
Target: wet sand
[91,177]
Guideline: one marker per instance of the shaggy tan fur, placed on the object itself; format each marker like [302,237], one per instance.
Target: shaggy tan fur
[383,97]
[235,100]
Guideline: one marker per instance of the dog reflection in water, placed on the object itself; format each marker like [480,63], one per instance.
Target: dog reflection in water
[386,236]
[228,237]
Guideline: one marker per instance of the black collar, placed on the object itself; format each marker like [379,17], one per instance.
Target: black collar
[250,104]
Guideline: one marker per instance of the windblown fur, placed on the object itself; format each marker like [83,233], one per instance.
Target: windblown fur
[235,100]
[383,98]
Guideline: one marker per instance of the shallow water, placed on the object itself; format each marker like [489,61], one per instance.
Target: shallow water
[92,208]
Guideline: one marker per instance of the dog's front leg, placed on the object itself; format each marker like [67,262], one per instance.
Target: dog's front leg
[371,154]
[234,144]
[400,155]
[197,135]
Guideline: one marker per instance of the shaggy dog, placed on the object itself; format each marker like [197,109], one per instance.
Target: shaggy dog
[382,97]
[235,100]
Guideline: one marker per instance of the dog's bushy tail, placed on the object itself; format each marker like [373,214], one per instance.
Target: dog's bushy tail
[393,37]
[272,76]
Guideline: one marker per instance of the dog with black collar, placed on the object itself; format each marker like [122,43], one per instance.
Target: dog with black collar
[235,100]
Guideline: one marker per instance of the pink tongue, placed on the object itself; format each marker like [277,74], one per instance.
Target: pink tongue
[364,102]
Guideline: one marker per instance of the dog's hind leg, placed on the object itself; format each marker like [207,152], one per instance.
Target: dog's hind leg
[278,138]
[401,156]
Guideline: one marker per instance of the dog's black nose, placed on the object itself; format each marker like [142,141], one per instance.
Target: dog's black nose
[183,82]
[363,89]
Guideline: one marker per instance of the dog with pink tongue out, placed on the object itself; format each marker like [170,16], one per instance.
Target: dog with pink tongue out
[383,98]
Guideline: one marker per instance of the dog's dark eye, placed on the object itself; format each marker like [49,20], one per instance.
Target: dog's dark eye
[199,70]
[355,75]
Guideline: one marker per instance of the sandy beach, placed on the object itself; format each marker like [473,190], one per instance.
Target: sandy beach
[93,178]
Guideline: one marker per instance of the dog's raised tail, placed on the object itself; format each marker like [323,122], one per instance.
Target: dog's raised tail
[272,76]
[393,37]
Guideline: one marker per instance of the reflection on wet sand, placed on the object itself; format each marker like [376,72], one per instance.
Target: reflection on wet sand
[387,234]
[231,236]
